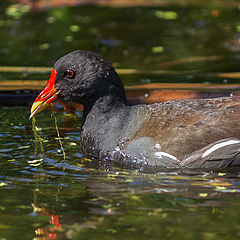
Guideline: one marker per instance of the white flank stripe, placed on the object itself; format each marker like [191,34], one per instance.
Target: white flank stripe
[161,154]
[157,145]
[219,145]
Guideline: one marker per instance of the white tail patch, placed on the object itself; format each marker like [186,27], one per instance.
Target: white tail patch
[219,145]
[161,154]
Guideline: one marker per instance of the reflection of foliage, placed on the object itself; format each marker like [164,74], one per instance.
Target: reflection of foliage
[114,203]
[17,10]
[137,37]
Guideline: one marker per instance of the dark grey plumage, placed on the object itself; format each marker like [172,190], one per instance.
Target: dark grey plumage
[174,134]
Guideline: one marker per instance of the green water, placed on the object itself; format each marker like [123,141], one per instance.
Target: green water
[188,41]
[44,195]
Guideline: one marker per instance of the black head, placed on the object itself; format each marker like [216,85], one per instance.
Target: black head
[84,76]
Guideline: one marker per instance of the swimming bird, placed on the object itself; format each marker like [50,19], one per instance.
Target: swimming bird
[196,133]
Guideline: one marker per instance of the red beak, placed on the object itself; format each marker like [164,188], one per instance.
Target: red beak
[46,97]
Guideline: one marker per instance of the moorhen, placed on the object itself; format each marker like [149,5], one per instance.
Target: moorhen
[199,133]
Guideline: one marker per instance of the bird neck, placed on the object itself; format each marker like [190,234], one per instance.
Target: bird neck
[105,104]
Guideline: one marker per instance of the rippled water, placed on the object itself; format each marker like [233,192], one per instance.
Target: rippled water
[44,196]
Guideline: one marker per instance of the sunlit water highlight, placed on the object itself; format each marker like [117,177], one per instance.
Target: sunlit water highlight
[48,197]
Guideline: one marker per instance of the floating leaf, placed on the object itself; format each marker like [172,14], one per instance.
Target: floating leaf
[68,38]
[11,160]
[87,159]
[238,28]
[135,198]
[35,164]
[128,180]
[72,144]
[23,147]
[221,174]
[4,226]
[101,219]
[74,28]
[2,208]
[100,198]
[157,49]
[167,15]
[35,161]
[107,206]
[80,165]
[2,184]
[203,194]
[44,46]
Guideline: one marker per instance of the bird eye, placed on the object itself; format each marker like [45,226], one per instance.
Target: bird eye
[69,74]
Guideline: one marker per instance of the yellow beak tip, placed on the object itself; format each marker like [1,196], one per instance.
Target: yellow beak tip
[37,107]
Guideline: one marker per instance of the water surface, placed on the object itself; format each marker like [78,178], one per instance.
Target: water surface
[50,194]
[45,196]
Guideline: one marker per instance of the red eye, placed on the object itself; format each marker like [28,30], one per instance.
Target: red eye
[69,74]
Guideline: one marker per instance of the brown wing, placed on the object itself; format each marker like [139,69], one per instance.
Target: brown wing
[184,126]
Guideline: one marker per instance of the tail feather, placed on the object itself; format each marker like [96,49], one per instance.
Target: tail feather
[220,154]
